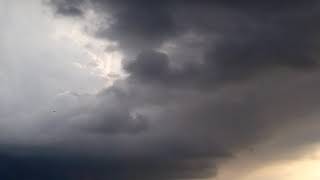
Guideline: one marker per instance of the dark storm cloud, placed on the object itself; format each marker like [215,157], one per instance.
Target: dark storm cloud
[163,122]
[238,38]
[115,121]
[41,164]
[144,24]
[150,65]
[187,131]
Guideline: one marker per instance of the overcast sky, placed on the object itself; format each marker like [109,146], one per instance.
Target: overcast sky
[159,90]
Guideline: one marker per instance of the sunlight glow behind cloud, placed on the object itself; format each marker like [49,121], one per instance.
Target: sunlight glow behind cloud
[305,167]
[105,59]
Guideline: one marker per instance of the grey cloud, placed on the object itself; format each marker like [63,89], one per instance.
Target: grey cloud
[69,8]
[113,121]
[237,39]
[200,127]
[38,165]
[165,121]
[188,131]
[150,65]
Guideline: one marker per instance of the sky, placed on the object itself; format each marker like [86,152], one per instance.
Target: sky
[159,90]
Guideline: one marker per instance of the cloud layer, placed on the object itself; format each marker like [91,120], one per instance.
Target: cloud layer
[206,80]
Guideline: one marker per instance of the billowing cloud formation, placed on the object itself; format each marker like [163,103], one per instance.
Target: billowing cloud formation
[207,79]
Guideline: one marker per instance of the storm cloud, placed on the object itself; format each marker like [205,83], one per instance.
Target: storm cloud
[205,80]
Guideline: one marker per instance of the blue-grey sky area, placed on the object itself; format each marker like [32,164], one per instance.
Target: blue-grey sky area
[159,90]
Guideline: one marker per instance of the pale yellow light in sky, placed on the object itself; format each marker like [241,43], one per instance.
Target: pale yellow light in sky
[303,169]
[306,167]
